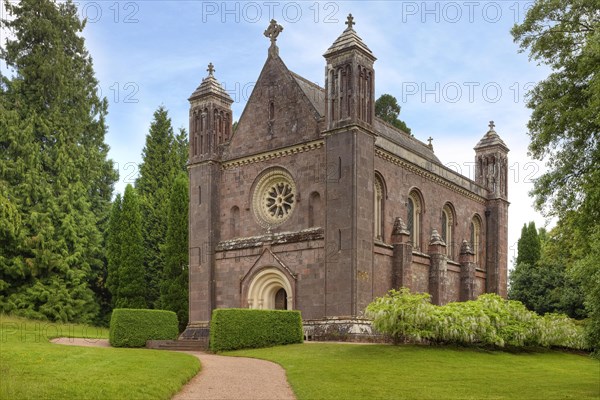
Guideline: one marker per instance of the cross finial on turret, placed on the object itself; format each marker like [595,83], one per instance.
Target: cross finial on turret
[272,31]
[210,69]
[350,22]
[492,125]
[430,140]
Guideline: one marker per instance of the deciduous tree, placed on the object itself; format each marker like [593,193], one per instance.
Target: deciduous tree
[565,123]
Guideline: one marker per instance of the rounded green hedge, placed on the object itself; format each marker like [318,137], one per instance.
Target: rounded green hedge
[133,327]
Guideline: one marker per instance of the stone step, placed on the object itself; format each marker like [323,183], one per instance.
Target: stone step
[186,345]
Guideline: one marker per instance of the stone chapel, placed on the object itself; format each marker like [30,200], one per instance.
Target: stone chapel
[315,204]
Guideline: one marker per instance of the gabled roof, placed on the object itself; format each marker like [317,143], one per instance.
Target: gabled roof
[314,93]
[403,139]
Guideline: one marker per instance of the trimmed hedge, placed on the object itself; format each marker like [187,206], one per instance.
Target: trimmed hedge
[242,328]
[132,327]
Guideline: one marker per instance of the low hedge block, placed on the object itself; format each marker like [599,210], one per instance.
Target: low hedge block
[132,327]
[242,328]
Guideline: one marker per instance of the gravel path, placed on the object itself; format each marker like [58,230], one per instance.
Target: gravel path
[222,377]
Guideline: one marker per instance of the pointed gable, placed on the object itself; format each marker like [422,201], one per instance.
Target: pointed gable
[284,109]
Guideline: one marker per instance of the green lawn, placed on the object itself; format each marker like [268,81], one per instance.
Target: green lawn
[33,368]
[347,371]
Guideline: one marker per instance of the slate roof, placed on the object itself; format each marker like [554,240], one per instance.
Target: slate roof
[314,93]
[316,96]
[211,85]
[348,40]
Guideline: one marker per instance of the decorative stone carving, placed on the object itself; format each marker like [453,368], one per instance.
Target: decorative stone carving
[465,248]
[400,227]
[436,238]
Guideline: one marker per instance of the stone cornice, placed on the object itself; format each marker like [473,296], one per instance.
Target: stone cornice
[270,155]
[428,175]
[271,239]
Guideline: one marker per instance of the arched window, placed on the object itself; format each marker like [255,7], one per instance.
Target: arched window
[271,110]
[314,210]
[234,222]
[448,229]
[378,203]
[413,218]
[476,238]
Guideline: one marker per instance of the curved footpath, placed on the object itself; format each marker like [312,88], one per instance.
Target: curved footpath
[222,377]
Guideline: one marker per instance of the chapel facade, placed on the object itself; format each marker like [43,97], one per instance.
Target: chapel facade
[316,204]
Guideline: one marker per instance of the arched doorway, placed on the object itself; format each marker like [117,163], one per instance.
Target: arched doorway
[270,289]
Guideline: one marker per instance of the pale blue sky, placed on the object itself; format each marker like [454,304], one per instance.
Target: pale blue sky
[452,65]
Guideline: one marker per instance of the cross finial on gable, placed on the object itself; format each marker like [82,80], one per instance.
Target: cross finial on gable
[350,22]
[272,31]
[491,125]
[430,139]
[210,69]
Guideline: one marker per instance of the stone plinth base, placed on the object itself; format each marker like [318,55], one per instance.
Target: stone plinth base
[344,329]
[197,330]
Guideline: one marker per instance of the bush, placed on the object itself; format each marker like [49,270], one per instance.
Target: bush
[132,327]
[242,328]
[489,320]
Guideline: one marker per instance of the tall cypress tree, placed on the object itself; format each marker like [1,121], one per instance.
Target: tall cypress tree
[113,249]
[157,172]
[182,147]
[529,246]
[55,163]
[131,292]
[174,287]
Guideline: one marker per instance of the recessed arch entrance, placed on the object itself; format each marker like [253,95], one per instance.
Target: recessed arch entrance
[270,289]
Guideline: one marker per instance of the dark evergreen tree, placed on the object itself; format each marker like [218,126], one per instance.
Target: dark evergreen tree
[157,172]
[540,279]
[54,162]
[182,148]
[528,246]
[174,287]
[387,108]
[132,292]
[113,249]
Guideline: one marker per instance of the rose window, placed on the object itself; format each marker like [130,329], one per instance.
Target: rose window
[274,197]
[280,199]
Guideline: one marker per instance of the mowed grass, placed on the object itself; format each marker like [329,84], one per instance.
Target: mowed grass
[353,371]
[33,368]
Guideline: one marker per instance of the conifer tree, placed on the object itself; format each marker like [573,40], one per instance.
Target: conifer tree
[132,278]
[157,171]
[528,246]
[182,147]
[54,162]
[113,249]
[540,279]
[174,287]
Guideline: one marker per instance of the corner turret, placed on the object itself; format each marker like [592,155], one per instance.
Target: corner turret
[349,81]
[210,118]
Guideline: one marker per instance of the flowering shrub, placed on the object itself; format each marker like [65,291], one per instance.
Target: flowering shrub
[489,320]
